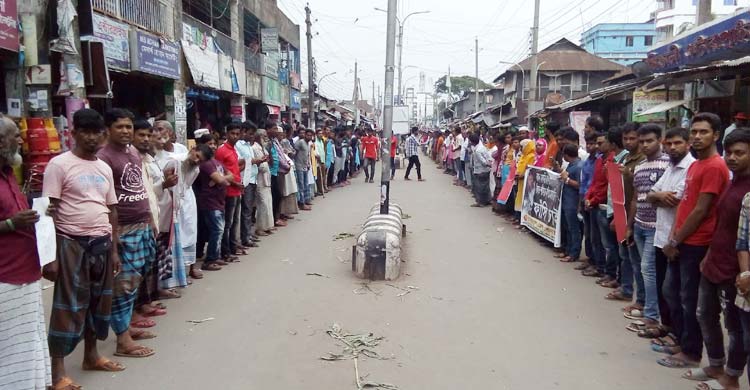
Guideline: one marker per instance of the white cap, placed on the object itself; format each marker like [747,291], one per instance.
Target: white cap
[523,128]
[200,133]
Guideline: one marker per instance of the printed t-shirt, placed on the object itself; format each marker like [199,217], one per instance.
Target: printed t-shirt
[210,196]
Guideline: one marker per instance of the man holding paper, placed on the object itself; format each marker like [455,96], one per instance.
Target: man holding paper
[24,357]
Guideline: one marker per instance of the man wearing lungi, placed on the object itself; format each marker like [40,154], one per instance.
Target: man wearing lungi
[24,356]
[137,245]
[82,194]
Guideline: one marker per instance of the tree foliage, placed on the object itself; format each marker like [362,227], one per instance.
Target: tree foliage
[459,84]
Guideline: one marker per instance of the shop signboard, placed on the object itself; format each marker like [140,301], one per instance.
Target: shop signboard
[295,99]
[542,198]
[271,65]
[203,64]
[724,39]
[294,80]
[253,86]
[115,37]
[644,101]
[269,40]
[9,23]
[284,76]
[155,55]
[284,97]
[271,91]
[232,75]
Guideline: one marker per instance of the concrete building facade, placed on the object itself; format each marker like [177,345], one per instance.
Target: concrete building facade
[624,43]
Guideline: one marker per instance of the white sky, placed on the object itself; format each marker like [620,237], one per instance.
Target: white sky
[345,30]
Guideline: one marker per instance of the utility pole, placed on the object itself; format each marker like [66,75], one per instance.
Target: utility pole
[534,59]
[390,41]
[400,70]
[476,74]
[703,14]
[310,80]
[374,103]
[355,97]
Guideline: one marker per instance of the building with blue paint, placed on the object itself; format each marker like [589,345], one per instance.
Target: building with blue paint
[624,43]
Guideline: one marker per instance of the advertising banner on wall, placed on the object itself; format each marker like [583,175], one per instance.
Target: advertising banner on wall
[9,23]
[269,40]
[116,39]
[155,55]
[271,91]
[254,89]
[203,64]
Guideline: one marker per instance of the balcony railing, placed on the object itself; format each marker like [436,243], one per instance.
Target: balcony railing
[151,15]
[226,44]
[663,5]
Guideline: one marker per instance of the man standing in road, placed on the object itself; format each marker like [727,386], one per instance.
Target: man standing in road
[481,167]
[301,167]
[137,242]
[691,235]
[412,153]
[24,355]
[82,191]
[227,156]
[371,145]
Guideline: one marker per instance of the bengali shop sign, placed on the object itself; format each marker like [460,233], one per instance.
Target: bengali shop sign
[155,55]
[9,23]
[115,37]
[542,197]
[722,40]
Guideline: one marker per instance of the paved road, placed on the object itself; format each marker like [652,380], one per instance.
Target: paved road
[494,310]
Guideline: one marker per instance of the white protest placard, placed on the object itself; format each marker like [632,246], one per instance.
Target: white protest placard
[46,240]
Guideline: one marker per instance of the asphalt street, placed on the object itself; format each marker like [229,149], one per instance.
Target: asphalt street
[491,309]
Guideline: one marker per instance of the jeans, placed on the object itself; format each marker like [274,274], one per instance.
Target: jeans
[414,161]
[745,322]
[644,240]
[661,275]
[213,221]
[713,300]
[573,232]
[459,169]
[587,237]
[630,272]
[228,243]
[248,202]
[681,292]
[609,243]
[303,187]
[393,167]
[369,163]
[276,196]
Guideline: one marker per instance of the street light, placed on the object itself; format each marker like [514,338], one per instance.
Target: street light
[401,40]
[320,80]
[523,74]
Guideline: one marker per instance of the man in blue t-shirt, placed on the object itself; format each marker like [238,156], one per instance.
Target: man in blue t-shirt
[570,199]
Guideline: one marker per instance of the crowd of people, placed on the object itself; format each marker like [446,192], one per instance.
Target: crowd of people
[135,214]
[685,261]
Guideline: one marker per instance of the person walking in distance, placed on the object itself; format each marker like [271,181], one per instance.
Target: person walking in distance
[412,153]
[371,145]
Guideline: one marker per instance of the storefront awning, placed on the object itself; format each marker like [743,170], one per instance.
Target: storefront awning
[273,110]
[663,107]
[682,76]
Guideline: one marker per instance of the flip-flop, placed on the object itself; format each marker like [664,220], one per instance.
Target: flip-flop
[144,323]
[667,350]
[130,352]
[672,362]
[634,314]
[696,374]
[141,335]
[104,364]
[156,312]
[661,341]
[710,385]
[65,383]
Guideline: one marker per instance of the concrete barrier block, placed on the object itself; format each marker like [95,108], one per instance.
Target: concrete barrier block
[377,254]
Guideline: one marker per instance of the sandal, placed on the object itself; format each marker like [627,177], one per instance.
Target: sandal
[568,259]
[103,364]
[158,305]
[136,351]
[665,349]
[617,295]
[673,362]
[710,385]
[581,266]
[141,334]
[666,341]
[634,314]
[155,312]
[610,284]
[195,273]
[169,294]
[144,323]
[561,256]
[240,252]
[65,383]
[211,267]
[652,332]
[696,374]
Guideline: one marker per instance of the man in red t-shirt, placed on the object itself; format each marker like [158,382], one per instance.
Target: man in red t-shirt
[229,158]
[370,145]
[691,235]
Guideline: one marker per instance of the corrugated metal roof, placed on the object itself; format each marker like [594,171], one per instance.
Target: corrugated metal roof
[678,75]
[596,95]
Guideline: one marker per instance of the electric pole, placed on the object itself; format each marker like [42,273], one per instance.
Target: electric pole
[310,80]
[390,41]
[400,50]
[534,59]
[703,14]
[354,98]
[476,74]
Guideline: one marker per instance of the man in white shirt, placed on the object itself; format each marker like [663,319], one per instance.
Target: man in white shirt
[458,141]
[666,195]
[481,162]
[249,166]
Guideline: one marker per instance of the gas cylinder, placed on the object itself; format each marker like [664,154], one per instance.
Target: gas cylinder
[38,140]
[24,129]
[52,135]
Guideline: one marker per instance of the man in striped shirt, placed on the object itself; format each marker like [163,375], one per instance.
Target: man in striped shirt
[412,153]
